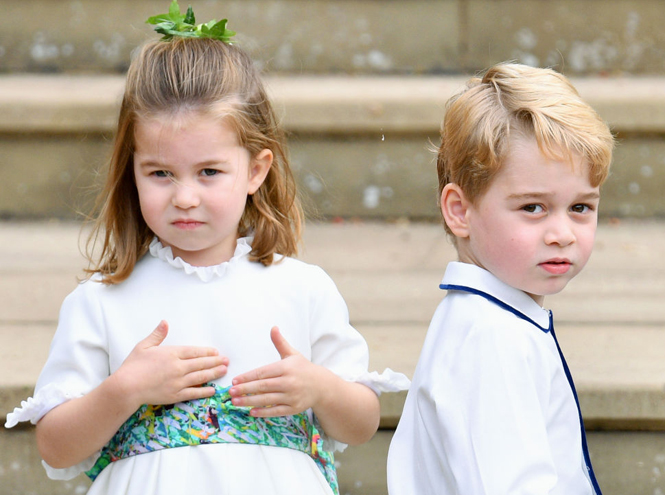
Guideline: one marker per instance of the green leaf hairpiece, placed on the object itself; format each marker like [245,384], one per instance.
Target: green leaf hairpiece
[184,25]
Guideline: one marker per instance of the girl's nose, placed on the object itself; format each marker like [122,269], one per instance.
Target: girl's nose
[184,196]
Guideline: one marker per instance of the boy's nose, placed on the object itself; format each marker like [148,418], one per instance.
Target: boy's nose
[184,196]
[559,231]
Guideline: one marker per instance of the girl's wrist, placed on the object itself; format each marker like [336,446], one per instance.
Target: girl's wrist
[119,390]
[324,388]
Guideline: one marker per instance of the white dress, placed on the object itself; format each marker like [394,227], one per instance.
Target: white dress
[231,307]
[490,409]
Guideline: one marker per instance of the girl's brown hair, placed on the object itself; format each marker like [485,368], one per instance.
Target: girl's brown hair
[214,78]
[509,100]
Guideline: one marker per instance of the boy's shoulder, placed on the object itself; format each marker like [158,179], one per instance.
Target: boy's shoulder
[471,338]
[479,314]
[477,317]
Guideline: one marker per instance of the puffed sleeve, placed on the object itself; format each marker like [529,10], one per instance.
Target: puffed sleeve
[77,363]
[492,413]
[338,346]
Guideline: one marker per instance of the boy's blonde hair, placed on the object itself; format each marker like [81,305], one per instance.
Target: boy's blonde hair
[513,99]
[216,79]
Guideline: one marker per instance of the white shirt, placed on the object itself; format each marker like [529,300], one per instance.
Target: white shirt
[490,410]
[231,307]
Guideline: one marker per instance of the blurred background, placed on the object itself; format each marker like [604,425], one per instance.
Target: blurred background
[360,86]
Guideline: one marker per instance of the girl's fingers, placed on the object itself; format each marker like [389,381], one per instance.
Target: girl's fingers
[259,374]
[204,376]
[257,387]
[193,352]
[193,393]
[204,363]
[157,336]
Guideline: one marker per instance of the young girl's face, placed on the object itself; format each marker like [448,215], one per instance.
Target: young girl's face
[534,228]
[193,179]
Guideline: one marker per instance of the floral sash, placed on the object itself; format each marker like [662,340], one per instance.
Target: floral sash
[213,420]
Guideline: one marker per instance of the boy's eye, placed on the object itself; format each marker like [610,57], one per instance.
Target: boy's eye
[580,208]
[532,208]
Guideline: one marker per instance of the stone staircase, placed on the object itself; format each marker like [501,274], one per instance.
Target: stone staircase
[361,87]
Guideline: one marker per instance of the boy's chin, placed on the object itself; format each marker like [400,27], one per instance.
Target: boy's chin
[540,295]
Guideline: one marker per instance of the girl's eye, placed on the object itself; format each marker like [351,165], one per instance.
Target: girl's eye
[581,208]
[532,208]
[209,172]
[161,173]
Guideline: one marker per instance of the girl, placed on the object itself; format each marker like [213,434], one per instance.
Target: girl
[197,221]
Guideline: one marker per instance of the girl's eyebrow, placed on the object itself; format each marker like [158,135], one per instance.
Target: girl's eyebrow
[154,163]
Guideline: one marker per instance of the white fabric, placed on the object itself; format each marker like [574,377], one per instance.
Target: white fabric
[231,307]
[490,410]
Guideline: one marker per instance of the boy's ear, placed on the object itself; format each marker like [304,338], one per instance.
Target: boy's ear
[454,207]
[258,169]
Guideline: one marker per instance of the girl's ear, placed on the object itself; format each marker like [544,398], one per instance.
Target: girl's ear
[258,169]
[454,207]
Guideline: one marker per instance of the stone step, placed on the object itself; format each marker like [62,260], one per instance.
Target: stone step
[359,145]
[610,322]
[363,37]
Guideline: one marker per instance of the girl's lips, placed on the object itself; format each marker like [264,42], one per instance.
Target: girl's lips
[556,267]
[187,224]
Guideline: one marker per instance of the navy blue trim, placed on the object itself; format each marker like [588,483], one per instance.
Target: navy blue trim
[498,302]
[569,376]
[585,448]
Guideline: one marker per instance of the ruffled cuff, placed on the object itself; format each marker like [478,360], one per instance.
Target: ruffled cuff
[388,381]
[35,408]
[73,471]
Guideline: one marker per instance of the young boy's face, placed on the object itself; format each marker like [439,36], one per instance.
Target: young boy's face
[534,228]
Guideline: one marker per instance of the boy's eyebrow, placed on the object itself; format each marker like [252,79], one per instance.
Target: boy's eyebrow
[539,195]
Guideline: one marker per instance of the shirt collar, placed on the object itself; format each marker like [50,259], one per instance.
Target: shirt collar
[477,278]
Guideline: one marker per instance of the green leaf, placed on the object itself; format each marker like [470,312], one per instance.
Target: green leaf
[174,9]
[157,19]
[189,17]
[219,31]
[176,24]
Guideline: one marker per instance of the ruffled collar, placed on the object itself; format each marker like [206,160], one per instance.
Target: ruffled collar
[205,273]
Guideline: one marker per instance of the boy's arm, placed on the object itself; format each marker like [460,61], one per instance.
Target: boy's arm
[493,415]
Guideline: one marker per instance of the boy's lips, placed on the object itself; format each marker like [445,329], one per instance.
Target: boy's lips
[556,266]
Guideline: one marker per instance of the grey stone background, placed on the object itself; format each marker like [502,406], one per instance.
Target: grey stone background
[361,88]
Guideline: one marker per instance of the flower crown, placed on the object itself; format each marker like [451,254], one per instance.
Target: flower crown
[184,25]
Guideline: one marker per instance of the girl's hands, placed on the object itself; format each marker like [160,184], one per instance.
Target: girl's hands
[156,374]
[289,386]
[347,411]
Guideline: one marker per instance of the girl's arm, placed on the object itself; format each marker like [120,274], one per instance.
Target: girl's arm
[151,374]
[348,412]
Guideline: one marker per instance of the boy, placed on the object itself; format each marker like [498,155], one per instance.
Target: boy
[492,408]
